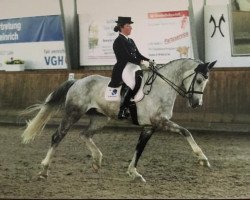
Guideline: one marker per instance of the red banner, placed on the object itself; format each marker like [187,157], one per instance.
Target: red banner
[171,14]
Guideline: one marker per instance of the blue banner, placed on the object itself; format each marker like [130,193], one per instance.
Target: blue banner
[31,29]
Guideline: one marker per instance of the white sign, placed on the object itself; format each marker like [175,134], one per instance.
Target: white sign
[217,35]
[37,55]
[218,38]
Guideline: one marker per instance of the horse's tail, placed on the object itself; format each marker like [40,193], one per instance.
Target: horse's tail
[46,109]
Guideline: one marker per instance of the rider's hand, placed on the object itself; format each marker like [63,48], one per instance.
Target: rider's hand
[152,63]
[144,64]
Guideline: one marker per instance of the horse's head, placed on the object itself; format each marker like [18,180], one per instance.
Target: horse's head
[195,83]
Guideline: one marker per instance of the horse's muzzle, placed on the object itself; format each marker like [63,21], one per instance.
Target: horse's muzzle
[194,103]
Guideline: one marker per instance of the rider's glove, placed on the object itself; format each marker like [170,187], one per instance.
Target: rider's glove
[152,63]
[145,64]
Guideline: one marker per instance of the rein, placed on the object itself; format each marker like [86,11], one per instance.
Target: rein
[180,90]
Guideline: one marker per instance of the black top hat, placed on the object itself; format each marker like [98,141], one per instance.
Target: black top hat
[124,20]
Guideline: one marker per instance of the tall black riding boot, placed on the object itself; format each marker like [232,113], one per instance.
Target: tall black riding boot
[125,103]
[138,80]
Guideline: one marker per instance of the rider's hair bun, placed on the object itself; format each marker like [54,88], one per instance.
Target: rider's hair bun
[116,28]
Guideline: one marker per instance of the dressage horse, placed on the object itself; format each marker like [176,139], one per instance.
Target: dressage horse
[187,77]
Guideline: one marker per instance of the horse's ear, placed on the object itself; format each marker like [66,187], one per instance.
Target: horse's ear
[210,65]
[206,64]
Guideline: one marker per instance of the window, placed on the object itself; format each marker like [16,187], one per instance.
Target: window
[240,29]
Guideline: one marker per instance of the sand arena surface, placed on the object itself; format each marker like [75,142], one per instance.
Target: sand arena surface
[167,164]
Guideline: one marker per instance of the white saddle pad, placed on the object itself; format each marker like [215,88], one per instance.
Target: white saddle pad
[114,94]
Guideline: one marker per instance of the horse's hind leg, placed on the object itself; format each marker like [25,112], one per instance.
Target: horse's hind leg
[62,130]
[96,123]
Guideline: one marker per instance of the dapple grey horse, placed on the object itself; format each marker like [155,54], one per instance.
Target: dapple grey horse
[187,77]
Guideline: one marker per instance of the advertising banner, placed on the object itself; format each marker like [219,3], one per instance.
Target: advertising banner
[162,36]
[170,36]
[36,40]
[96,41]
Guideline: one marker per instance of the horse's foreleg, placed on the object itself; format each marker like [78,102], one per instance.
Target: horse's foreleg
[173,127]
[56,139]
[143,139]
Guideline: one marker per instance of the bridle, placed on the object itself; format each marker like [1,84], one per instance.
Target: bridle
[179,89]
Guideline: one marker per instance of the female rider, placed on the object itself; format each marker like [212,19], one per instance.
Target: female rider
[126,52]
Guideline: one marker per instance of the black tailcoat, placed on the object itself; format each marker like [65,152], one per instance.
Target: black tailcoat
[125,51]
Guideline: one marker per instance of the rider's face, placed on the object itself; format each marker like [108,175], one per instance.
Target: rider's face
[126,29]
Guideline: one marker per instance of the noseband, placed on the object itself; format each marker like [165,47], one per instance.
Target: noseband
[180,90]
[191,90]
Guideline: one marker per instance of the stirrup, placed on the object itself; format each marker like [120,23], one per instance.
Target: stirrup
[123,114]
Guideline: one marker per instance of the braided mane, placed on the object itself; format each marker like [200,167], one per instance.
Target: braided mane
[172,61]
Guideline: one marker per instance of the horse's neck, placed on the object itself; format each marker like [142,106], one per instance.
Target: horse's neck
[176,70]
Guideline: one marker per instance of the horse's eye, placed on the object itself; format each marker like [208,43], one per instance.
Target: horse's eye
[199,81]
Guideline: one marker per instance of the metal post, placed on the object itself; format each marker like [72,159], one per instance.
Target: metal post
[193,29]
[71,32]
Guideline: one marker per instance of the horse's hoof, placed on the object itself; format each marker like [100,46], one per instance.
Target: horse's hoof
[205,163]
[136,178]
[95,167]
[128,172]
[42,176]
[208,164]
[140,179]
